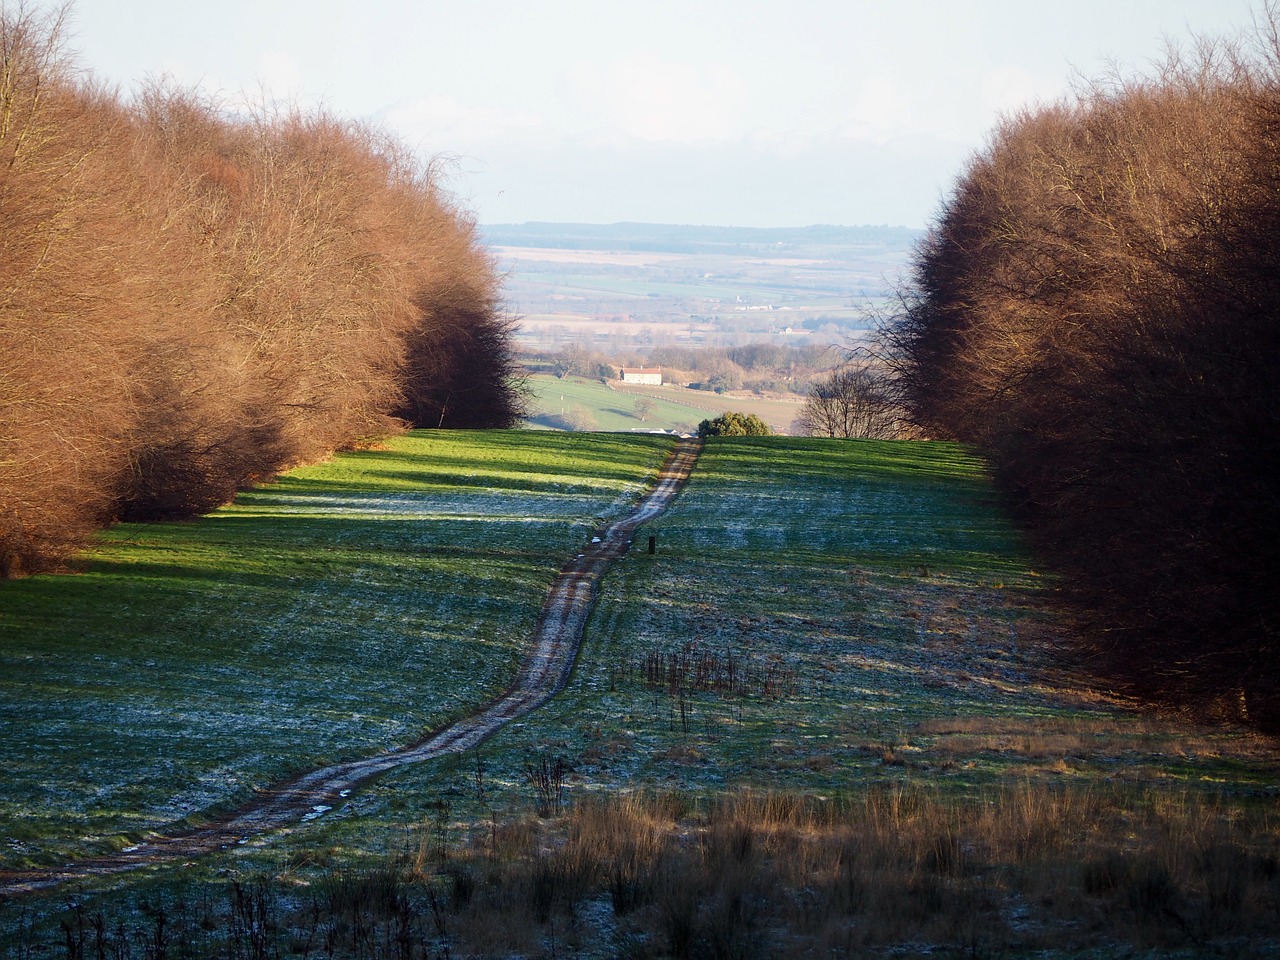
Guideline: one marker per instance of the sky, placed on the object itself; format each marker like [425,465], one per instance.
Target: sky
[764,113]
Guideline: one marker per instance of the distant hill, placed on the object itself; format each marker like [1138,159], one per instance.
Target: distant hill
[674,238]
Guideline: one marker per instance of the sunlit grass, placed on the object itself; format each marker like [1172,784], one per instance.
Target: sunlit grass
[884,586]
[558,400]
[938,775]
[347,608]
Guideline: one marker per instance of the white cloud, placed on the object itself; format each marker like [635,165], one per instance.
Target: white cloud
[441,119]
[279,75]
[1005,89]
[886,108]
[645,98]
[881,110]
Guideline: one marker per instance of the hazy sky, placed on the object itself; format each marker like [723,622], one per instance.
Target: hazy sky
[742,112]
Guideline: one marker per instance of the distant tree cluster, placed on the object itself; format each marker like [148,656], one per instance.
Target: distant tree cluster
[577,361]
[752,366]
[191,300]
[1098,309]
[734,424]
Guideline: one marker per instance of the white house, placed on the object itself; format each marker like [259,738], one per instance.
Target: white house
[650,375]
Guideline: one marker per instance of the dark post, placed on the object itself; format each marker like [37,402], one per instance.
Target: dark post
[653,544]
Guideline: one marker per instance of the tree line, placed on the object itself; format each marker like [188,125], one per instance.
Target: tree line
[1097,308]
[762,367]
[192,299]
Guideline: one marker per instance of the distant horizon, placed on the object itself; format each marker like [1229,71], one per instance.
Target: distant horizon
[718,112]
[714,226]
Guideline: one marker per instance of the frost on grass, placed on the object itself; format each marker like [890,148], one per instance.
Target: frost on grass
[345,610]
[910,638]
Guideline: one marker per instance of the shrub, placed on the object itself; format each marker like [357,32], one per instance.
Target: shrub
[732,424]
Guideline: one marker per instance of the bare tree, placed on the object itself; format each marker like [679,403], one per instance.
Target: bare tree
[852,401]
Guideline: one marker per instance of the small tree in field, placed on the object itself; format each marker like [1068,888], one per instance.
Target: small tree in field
[851,401]
[734,424]
[580,419]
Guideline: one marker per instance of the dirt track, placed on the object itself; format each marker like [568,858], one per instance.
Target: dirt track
[544,672]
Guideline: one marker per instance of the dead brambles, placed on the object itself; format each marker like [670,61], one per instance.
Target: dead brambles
[698,668]
[1016,869]
[546,776]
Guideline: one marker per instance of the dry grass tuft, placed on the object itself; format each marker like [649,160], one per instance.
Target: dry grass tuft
[1023,867]
[1028,868]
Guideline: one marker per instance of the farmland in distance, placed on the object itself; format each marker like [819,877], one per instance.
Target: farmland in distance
[622,286]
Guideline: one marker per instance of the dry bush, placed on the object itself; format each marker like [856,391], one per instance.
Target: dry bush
[192,300]
[1096,310]
[1026,867]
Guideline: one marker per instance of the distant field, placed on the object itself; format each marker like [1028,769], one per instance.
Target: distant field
[610,258]
[592,405]
[688,285]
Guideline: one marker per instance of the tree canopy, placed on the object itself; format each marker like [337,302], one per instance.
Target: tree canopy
[734,424]
[192,299]
[1096,309]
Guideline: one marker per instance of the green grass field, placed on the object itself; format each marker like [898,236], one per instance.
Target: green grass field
[891,628]
[597,407]
[345,609]
[830,619]
[579,404]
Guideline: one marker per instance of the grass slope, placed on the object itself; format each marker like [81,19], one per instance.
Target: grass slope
[344,609]
[890,629]
[557,402]
[893,673]
[896,668]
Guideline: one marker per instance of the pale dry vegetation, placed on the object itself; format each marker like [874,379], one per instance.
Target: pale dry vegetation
[192,299]
[1022,867]
[1018,869]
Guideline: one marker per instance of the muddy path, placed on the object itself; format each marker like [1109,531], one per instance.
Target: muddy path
[553,648]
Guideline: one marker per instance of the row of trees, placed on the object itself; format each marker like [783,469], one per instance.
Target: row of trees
[754,366]
[191,300]
[780,368]
[1098,309]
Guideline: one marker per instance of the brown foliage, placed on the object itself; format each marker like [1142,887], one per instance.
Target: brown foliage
[1096,309]
[191,300]
[460,368]
[58,357]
